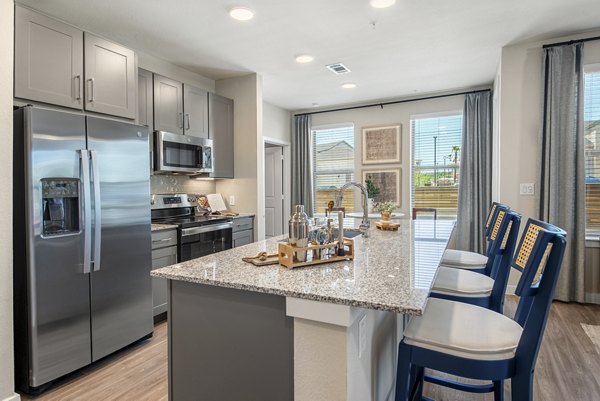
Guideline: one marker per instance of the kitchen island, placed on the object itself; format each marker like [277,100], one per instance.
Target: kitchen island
[326,332]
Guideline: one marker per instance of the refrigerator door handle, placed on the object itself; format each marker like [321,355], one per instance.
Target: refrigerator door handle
[97,211]
[87,210]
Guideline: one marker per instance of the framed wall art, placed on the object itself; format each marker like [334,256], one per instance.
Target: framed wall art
[388,181]
[381,145]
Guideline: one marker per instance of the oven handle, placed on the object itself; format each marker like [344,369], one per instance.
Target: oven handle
[205,229]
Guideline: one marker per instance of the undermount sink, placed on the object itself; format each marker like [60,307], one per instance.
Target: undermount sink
[348,233]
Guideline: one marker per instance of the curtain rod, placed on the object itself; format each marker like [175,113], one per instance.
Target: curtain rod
[393,102]
[570,42]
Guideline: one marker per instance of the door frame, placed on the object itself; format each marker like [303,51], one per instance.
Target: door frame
[287,177]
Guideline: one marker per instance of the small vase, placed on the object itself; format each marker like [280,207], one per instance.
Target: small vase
[370,202]
[386,216]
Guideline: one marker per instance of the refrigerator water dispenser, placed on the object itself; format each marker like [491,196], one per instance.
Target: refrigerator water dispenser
[61,206]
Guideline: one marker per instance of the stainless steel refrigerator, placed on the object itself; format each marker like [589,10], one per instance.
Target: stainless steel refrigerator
[82,245]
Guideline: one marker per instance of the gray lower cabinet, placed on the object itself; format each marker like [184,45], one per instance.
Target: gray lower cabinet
[168,105]
[243,231]
[59,64]
[48,60]
[109,77]
[195,107]
[145,108]
[220,117]
[164,253]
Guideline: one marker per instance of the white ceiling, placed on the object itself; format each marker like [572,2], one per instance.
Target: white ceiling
[417,46]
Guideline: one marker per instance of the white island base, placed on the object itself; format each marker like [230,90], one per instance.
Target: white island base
[343,352]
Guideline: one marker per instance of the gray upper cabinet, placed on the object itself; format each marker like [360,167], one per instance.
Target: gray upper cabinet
[109,77]
[145,108]
[168,105]
[48,60]
[195,107]
[220,111]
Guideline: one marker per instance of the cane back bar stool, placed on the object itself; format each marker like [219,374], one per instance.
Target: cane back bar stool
[477,343]
[488,289]
[472,260]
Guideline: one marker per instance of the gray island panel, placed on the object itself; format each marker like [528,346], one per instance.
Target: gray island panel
[229,345]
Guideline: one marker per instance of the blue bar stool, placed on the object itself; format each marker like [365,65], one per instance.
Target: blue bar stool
[472,260]
[488,289]
[477,343]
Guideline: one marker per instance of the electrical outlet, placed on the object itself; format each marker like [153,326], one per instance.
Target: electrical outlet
[362,336]
[527,189]
[231,200]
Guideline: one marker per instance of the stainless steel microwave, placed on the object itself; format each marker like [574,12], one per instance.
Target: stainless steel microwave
[183,154]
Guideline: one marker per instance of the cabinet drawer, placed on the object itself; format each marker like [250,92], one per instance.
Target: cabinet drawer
[162,239]
[164,257]
[242,223]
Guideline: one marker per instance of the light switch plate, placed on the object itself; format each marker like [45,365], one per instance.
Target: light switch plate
[231,200]
[527,189]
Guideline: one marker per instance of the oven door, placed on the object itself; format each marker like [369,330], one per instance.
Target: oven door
[205,240]
[182,153]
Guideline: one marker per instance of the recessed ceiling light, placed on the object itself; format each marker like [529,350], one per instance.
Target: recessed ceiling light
[304,58]
[382,3]
[349,85]
[241,13]
[315,105]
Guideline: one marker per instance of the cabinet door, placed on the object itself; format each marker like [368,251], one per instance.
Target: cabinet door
[220,119]
[168,105]
[145,109]
[109,78]
[195,106]
[48,60]
[161,258]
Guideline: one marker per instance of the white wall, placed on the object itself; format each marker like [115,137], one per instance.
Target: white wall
[6,289]
[277,123]
[162,67]
[389,115]
[247,186]
[521,106]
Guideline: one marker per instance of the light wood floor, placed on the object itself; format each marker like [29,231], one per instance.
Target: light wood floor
[568,367]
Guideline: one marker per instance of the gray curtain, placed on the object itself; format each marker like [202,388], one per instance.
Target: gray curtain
[302,164]
[475,181]
[562,184]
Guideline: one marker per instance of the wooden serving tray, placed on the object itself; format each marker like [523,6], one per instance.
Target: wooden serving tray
[387,226]
[288,254]
[263,259]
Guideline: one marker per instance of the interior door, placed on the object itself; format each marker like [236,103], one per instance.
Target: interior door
[59,310]
[121,300]
[109,77]
[48,60]
[273,191]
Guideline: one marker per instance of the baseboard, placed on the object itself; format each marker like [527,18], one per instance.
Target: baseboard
[510,289]
[14,397]
[592,298]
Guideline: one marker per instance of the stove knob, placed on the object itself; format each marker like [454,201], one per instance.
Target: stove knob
[192,199]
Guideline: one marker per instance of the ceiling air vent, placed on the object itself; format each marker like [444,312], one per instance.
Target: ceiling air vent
[338,68]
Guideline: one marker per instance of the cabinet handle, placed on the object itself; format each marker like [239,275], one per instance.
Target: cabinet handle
[187,115]
[92,90]
[78,89]
[180,120]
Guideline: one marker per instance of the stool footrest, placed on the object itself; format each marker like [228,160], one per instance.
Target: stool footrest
[471,388]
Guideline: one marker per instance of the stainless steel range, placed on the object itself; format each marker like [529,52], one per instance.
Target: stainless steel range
[197,235]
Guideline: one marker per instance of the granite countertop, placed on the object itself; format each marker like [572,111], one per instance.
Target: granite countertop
[392,271]
[243,215]
[160,227]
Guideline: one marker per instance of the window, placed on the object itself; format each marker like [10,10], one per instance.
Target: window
[436,142]
[591,123]
[333,148]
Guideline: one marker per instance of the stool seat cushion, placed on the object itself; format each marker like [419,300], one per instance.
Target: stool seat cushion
[464,330]
[463,259]
[463,283]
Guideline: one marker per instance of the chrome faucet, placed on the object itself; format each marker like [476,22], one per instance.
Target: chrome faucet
[364,225]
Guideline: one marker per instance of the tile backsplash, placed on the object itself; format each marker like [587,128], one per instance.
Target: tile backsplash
[170,184]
